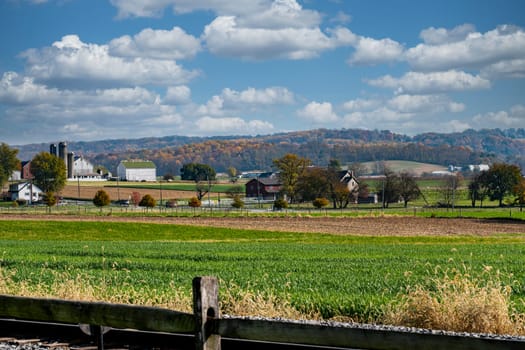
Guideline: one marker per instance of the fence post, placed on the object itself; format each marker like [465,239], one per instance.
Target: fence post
[206,308]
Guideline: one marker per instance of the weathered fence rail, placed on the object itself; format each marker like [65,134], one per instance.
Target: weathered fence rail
[207,325]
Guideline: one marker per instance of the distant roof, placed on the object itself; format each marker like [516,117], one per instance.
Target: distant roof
[138,164]
[269,180]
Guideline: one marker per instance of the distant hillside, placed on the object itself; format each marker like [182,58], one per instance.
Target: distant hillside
[320,145]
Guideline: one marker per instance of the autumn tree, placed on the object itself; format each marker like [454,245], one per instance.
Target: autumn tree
[49,172]
[477,190]
[339,192]
[197,172]
[291,167]
[449,189]
[501,179]
[202,174]
[389,188]
[8,163]
[101,199]
[202,188]
[408,188]
[135,198]
[313,184]
[519,192]
[232,174]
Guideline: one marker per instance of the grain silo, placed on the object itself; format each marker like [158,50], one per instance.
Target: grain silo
[53,149]
[70,164]
[62,153]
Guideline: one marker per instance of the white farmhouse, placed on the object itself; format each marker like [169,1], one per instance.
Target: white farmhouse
[25,191]
[137,170]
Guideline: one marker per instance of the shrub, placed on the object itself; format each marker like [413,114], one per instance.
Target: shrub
[194,202]
[101,199]
[50,199]
[280,204]
[147,201]
[237,203]
[320,202]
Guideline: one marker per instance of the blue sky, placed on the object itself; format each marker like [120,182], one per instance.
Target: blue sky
[80,70]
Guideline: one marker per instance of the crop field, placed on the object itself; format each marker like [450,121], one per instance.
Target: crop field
[349,276]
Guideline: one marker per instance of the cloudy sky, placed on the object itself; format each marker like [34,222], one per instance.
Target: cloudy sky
[100,69]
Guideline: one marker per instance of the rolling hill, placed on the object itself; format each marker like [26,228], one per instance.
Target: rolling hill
[319,145]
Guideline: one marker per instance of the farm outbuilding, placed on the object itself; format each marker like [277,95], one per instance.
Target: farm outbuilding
[25,191]
[137,170]
[266,188]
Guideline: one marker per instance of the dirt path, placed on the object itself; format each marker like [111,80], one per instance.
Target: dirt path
[375,226]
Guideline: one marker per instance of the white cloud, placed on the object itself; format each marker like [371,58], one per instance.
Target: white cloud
[155,8]
[177,95]
[417,82]
[70,62]
[268,96]
[252,13]
[514,118]
[225,37]
[281,14]
[438,36]
[214,107]
[232,126]
[251,100]
[476,50]
[39,112]
[424,104]
[341,17]
[320,113]
[361,104]
[505,69]
[232,101]
[371,51]
[172,44]
[455,126]
[19,90]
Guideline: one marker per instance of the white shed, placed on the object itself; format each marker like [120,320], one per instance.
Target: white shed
[137,170]
[25,191]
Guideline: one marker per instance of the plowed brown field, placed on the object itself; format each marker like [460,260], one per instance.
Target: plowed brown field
[375,226]
[88,192]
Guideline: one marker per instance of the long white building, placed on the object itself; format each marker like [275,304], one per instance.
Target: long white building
[137,170]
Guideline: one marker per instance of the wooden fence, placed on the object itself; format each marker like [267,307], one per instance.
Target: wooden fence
[207,325]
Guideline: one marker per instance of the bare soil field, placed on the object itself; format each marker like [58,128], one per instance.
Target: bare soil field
[373,226]
[88,192]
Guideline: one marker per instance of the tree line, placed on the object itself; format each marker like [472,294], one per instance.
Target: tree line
[300,181]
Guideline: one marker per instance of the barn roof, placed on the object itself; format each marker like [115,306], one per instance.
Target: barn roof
[138,164]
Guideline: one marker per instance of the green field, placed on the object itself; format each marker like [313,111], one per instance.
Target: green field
[327,274]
